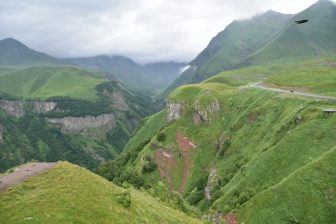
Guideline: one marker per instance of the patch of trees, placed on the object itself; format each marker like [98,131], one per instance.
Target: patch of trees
[118,172]
[149,165]
[118,137]
[161,137]
[198,193]
[31,138]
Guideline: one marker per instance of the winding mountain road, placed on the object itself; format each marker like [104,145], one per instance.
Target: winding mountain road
[22,173]
[261,85]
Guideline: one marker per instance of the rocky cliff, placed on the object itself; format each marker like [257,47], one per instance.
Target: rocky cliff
[41,107]
[174,110]
[12,108]
[16,108]
[81,124]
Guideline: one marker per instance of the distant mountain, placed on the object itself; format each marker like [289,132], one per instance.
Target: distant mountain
[266,39]
[14,53]
[296,42]
[124,69]
[167,71]
[151,78]
[232,46]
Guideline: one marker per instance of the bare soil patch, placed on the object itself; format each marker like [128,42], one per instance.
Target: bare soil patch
[22,173]
[185,146]
[165,161]
[231,219]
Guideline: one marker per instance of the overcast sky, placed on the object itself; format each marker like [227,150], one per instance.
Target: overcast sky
[145,30]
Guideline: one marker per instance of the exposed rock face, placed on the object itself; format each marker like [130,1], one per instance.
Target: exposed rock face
[174,111]
[118,100]
[212,179]
[16,108]
[12,108]
[1,132]
[203,114]
[81,124]
[43,107]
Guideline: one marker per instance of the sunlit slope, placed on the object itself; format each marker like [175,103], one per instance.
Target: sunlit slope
[70,194]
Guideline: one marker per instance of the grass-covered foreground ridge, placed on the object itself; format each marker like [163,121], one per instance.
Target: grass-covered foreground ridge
[266,157]
[70,194]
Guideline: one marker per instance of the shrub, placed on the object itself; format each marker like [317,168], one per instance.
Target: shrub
[149,164]
[195,197]
[161,137]
[124,199]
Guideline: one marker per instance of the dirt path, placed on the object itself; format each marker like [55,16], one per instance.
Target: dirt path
[22,173]
[261,85]
[185,145]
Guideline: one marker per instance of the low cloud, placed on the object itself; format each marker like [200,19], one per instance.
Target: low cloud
[145,30]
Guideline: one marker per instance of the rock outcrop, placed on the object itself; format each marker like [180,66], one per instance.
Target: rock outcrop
[212,179]
[41,107]
[118,100]
[174,110]
[81,124]
[202,113]
[1,133]
[12,108]
[16,108]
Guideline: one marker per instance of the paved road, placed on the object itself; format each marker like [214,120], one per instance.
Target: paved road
[261,85]
[22,173]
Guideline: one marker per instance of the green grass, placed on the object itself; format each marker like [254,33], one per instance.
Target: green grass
[70,194]
[312,76]
[45,82]
[270,138]
[313,184]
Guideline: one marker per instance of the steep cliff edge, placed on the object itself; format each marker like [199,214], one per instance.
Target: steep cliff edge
[82,124]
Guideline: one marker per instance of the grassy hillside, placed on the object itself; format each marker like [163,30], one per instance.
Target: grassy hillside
[270,39]
[297,42]
[234,147]
[70,194]
[76,95]
[44,82]
[232,46]
[313,76]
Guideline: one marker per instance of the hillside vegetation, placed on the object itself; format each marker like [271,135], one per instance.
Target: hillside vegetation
[45,82]
[237,149]
[70,194]
[269,39]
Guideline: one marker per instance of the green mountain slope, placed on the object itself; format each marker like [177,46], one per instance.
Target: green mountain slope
[65,113]
[232,46]
[149,79]
[45,82]
[296,42]
[272,38]
[70,194]
[14,53]
[230,148]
